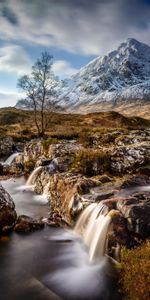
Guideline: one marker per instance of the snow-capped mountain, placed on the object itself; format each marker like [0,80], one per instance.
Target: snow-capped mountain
[119,77]
[123,74]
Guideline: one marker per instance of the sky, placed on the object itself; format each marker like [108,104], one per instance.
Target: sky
[73,31]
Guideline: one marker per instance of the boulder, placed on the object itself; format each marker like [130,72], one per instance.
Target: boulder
[129,159]
[8,214]
[66,190]
[26,224]
[63,149]
[136,210]
[32,151]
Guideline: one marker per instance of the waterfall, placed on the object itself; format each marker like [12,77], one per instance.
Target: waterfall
[10,159]
[83,219]
[32,177]
[93,225]
[99,210]
[43,199]
[98,243]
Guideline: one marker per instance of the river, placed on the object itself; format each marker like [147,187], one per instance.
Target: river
[51,263]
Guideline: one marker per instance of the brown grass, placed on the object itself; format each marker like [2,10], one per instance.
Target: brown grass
[135,275]
[20,124]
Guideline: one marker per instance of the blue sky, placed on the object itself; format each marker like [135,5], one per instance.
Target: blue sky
[73,31]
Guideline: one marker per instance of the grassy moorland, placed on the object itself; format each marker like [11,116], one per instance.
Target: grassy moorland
[19,124]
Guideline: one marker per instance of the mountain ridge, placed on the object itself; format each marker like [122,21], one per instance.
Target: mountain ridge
[118,78]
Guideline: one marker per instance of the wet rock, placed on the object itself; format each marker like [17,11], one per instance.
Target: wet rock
[137,180]
[42,180]
[75,205]
[14,168]
[66,192]
[99,196]
[26,224]
[104,178]
[1,169]
[136,210]
[52,223]
[8,214]
[43,162]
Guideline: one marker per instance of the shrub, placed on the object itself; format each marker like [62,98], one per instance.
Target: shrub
[65,135]
[25,131]
[86,139]
[91,162]
[47,143]
[135,275]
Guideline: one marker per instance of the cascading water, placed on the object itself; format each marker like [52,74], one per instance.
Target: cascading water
[98,243]
[44,197]
[93,225]
[84,218]
[32,177]
[11,158]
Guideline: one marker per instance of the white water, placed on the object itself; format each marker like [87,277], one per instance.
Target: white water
[10,159]
[98,243]
[83,219]
[33,176]
[44,197]
[93,225]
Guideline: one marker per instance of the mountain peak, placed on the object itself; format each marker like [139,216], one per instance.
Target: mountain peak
[134,46]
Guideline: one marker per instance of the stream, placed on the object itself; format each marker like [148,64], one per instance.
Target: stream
[51,263]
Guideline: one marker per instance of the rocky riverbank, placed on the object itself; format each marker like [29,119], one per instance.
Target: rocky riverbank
[113,168]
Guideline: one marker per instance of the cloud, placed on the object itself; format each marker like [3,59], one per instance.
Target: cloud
[80,26]
[63,69]
[9,15]
[13,58]
[8,98]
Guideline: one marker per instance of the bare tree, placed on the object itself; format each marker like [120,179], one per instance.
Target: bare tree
[39,90]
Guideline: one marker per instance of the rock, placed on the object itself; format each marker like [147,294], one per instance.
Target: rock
[99,196]
[66,192]
[136,181]
[63,149]
[50,222]
[26,224]
[42,180]
[8,214]
[136,210]
[33,151]
[104,178]
[128,159]
[43,162]
[1,169]
[6,146]
[75,205]
[13,169]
